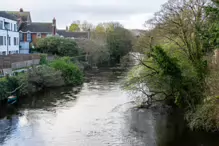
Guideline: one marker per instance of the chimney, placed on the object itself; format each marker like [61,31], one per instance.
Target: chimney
[21,10]
[66,28]
[54,26]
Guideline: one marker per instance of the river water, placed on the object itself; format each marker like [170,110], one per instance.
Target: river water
[101,114]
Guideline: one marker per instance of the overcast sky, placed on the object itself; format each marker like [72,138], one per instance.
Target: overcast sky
[131,13]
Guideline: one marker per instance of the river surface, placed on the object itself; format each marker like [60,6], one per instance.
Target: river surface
[101,114]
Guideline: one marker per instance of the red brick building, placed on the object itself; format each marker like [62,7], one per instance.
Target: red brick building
[31,31]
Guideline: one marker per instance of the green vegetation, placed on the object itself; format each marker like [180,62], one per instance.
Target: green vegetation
[58,46]
[59,72]
[116,41]
[75,26]
[70,72]
[119,42]
[175,65]
[43,59]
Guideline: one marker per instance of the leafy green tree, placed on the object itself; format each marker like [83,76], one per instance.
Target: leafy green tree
[100,28]
[58,46]
[211,30]
[74,27]
[119,42]
[70,72]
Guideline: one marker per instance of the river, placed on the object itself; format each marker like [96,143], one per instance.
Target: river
[101,114]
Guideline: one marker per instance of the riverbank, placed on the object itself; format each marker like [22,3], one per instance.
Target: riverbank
[60,72]
[101,114]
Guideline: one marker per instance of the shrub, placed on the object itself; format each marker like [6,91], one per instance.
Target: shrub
[43,59]
[7,85]
[43,77]
[57,46]
[70,72]
[95,53]
[205,117]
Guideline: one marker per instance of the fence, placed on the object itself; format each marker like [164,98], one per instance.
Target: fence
[15,61]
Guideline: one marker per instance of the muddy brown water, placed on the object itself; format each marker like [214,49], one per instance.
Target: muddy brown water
[101,114]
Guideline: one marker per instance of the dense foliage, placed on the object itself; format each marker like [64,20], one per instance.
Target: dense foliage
[70,72]
[119,43]
[58,46]
[34,80]
[57,73]
[94,53]
[174,64]
[109,43]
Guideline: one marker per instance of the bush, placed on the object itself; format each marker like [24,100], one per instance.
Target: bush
[43,77]
[94,52]
[205,117]
[70,72]
[9,84]
[58,46]
[43,59]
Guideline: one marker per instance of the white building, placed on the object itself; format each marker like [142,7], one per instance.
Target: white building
[9,35]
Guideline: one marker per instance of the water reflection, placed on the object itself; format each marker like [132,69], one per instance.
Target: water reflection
[101,114]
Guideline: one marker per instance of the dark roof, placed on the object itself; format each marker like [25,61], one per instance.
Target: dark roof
[8,16]
[137,32]
[68,34]
[37,27]
[25,16]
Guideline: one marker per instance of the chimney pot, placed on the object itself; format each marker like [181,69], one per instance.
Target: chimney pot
[54,21]
[54,26]
[21,10]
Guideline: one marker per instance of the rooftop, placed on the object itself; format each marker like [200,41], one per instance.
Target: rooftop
[68,34]
[24,15]
[37,27]
[7,15]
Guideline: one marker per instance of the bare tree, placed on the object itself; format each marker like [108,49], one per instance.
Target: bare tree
[181,21]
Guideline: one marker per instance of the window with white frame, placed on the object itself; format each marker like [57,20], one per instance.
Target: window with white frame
[15,41]
[38,35]
[15,27]
[21,36]
[9,41]
[28,36]
[1,24]
[1,40]
[5,40]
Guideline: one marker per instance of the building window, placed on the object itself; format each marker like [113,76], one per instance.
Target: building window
[21,36]
[9,41]
[5,40]
[38,35]
[28,37]
[1,24]
[11,27]
[16,52]
[1,40]
[4,53]
[15,41]
[15,27]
